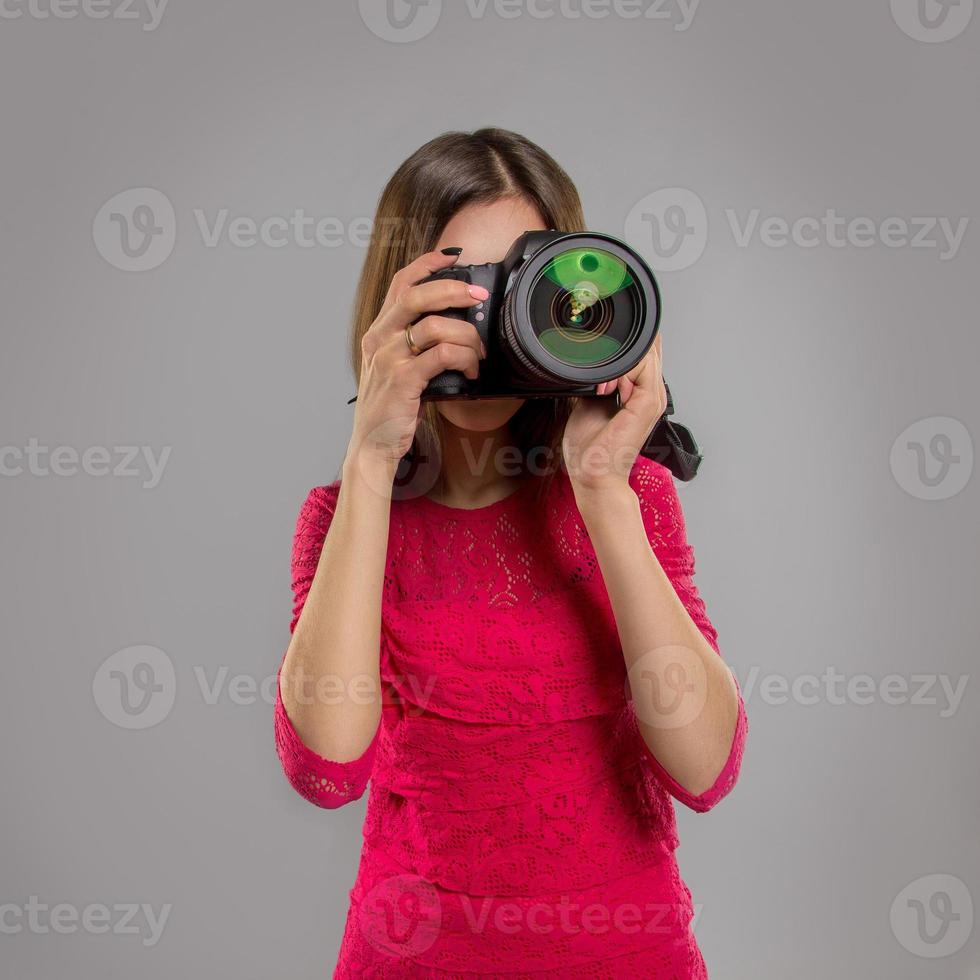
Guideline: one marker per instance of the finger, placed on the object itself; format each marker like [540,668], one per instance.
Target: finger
[430,297]
[636,375]
[443,357]
[647,372]
[432,330]
[650,383]
[417,270]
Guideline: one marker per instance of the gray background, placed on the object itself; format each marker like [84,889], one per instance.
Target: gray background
[797,368]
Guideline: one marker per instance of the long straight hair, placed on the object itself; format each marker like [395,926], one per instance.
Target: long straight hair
[439,179]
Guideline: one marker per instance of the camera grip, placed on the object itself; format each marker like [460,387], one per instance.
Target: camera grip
[452,383]
[446,383]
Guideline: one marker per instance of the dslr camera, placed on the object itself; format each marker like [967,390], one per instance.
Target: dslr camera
[566,312]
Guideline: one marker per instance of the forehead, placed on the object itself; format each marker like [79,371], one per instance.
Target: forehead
[486,231]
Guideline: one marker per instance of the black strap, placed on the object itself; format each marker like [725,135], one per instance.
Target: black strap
[673,445]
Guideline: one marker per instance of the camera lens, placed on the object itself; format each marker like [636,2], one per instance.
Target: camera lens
[585,307]
[582,308]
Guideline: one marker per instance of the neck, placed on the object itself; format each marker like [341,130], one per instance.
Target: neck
[477,467]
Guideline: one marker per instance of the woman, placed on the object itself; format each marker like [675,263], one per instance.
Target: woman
[520,662]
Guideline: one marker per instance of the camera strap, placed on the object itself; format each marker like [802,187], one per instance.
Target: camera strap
[673,445]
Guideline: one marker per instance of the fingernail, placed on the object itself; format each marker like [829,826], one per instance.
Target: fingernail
[451,251]
[483,348]
[478,292]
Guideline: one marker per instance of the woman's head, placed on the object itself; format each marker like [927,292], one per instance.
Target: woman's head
[476,191]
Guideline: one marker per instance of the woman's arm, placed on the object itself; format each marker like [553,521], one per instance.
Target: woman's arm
[328,710]
[328,777]
[688,707]
[330,681]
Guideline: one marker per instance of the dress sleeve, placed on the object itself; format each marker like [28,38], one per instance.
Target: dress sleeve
[663,520]
[321,781]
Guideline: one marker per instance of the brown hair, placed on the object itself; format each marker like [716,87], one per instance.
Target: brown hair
[438,180]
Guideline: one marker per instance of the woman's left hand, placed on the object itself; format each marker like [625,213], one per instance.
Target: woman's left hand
[601,442]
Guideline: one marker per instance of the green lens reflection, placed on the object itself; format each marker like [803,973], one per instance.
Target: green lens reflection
[585,307]
[603,270]
[596,351]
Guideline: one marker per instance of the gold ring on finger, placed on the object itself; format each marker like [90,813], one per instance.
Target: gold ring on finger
[410,340]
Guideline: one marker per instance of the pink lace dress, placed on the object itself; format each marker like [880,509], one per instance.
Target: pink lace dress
[517,825]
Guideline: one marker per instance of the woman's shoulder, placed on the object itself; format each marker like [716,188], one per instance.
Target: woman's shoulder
[319,505]
[660,504]
[651,479]
[324,494]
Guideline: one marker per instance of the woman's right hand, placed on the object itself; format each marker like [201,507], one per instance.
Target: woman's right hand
[392,377]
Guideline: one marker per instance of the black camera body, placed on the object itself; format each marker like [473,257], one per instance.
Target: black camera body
[566,312]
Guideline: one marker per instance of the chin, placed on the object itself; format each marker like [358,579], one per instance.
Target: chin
[479,415]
